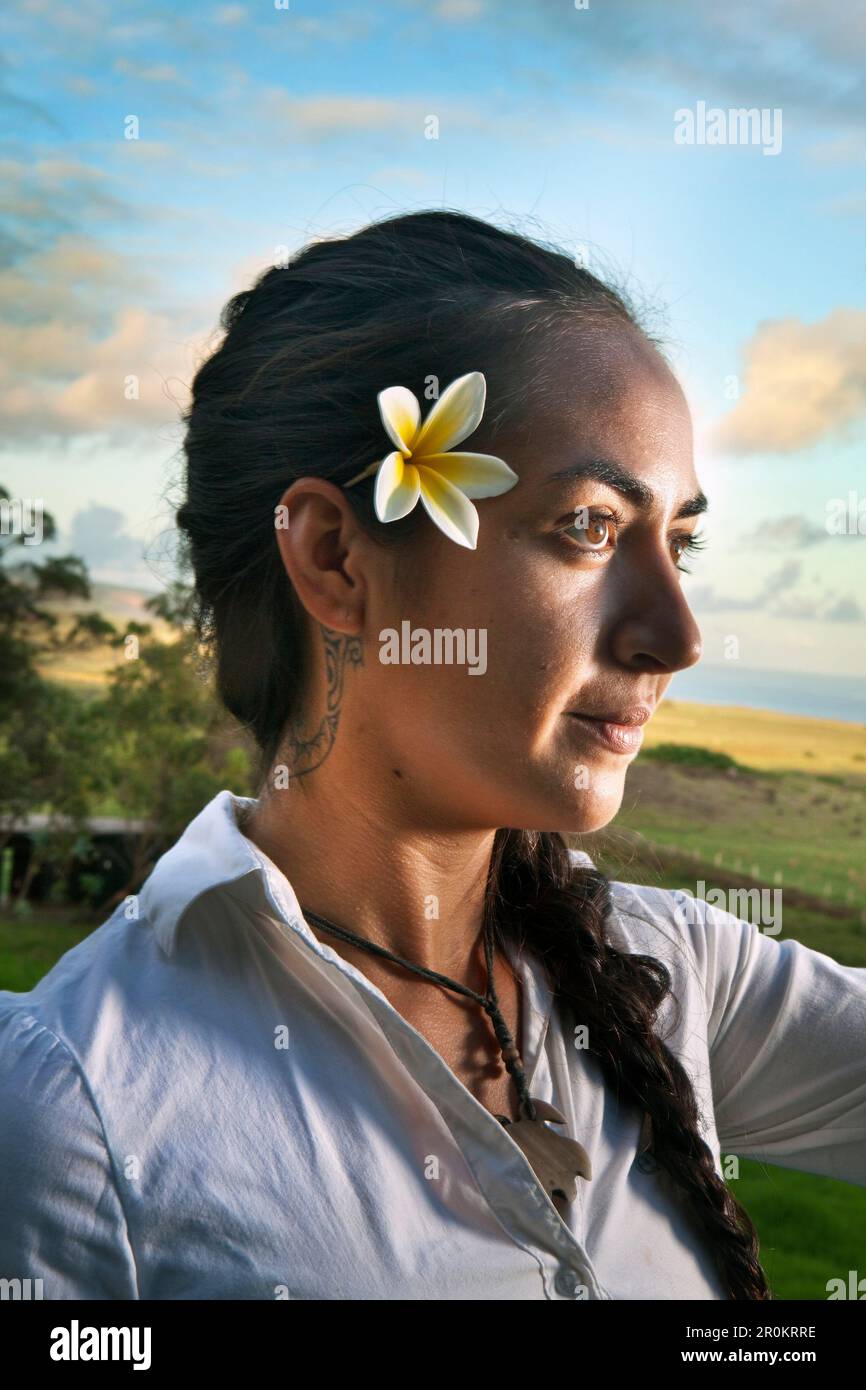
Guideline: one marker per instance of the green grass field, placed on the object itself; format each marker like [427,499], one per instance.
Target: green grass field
[791,814]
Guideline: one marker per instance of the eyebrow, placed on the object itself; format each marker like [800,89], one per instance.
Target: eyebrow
[613,475]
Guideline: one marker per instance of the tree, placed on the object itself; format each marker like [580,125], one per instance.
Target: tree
[33,712]
[153,748]
[27,629]
[49,749]
[54,745]
[169,747]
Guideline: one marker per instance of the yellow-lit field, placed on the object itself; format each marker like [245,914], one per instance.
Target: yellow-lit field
[762,738]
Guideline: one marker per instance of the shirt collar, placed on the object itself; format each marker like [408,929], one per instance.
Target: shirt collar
[213,853]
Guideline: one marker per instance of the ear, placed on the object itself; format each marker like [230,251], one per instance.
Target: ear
[322,550]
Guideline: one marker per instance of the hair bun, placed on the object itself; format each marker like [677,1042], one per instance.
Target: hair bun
[234,307]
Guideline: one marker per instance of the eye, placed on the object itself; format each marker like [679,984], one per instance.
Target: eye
[594,532]
[686,544]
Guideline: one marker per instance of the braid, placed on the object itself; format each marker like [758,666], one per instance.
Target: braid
[536,893]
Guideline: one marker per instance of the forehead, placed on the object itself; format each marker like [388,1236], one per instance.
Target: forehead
[607,393]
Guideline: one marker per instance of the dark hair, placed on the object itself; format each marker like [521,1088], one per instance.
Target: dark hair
[291,392]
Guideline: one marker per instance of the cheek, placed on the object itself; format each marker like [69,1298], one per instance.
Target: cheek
[528,631]
[543,639]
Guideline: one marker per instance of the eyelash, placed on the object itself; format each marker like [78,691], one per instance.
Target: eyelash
[691,542]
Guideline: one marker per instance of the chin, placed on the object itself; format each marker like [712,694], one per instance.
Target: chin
[585,822]
[595,806]
[596,823]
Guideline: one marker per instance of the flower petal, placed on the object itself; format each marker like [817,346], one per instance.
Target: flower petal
[397,488]
[445,504]
[401,415]
[476,475]
[455,415]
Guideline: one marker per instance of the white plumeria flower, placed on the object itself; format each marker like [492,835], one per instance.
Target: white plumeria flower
[425,464]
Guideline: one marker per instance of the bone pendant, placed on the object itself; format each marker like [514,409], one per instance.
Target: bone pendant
[556,1160]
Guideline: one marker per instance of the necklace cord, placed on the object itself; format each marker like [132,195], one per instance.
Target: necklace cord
[489,1001]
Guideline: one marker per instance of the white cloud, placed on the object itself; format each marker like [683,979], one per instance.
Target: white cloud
[784,533]
[459,11]
[336,114]
[230,14]
[802,383]
[156,72]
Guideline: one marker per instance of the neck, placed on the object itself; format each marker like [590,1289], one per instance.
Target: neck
[408,884]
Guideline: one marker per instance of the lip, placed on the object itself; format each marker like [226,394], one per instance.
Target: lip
[620,731]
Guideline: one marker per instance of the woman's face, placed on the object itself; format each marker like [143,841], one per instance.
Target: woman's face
[574,620]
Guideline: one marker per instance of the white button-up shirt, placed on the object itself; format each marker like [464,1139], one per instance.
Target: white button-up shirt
[203,1101]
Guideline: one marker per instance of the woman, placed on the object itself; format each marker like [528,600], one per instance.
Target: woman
[238,1090]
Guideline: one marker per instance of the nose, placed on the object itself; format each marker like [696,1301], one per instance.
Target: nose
[656,629]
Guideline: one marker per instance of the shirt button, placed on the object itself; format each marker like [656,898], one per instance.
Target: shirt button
[566,1282]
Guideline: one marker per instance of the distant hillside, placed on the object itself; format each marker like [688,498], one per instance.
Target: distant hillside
[761,738]
[120,605]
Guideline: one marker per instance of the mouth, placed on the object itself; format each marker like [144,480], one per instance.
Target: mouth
[620,731]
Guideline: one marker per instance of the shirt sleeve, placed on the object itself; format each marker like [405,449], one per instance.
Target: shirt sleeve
[61,1220]
[787,1047]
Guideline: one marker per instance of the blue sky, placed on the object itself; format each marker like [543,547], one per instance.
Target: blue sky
[260,127]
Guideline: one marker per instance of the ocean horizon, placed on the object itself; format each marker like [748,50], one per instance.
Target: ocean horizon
[787,692]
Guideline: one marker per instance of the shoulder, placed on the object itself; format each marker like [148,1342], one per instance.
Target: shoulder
[643,916]
[53,1149]
[725,959]
[42,1030]
[64,1223]
[64,1054]
[700,943]
[82,1016]
[43,1092]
